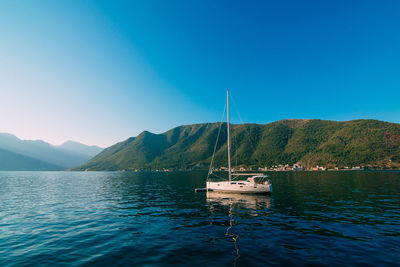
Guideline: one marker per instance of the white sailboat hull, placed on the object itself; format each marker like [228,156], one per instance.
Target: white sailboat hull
[240,187]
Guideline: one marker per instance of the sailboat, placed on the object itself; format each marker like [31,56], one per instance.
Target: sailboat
[257,183]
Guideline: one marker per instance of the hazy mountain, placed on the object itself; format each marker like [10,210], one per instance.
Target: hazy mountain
[310,142]
[88,151]
[66,156]
[10,161]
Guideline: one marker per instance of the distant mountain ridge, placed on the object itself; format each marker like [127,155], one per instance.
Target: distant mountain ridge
[310,142]
[11,161]
[85,150]
[23,154]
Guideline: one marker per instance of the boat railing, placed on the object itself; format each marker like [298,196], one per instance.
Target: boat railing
[248,174]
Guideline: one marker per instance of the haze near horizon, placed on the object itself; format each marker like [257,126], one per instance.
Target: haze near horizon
[101,71]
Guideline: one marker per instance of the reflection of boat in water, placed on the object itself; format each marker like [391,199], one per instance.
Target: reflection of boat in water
[249,204]
[252,201]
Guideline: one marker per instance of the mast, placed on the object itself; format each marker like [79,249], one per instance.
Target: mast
[229,139]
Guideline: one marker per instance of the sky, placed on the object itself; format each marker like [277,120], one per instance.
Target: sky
[98,72]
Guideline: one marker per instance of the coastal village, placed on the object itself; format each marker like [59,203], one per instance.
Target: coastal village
[294,167]
[279,168]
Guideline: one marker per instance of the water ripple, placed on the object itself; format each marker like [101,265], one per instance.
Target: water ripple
[118,219]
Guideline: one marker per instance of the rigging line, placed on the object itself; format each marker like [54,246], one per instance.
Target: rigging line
[215,146]
[220,177]
[235,146]
[242,122]
[236,109]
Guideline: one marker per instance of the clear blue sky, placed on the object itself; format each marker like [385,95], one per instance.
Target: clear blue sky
[100,71]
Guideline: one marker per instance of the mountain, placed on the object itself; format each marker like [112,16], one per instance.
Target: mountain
[10,161]
[68,155]
[84,150]
[310,142]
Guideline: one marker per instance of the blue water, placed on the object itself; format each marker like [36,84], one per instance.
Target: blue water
[121,218]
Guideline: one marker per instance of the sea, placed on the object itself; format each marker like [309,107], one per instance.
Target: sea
[156,219]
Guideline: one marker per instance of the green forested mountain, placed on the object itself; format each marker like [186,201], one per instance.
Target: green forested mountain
[310,142]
